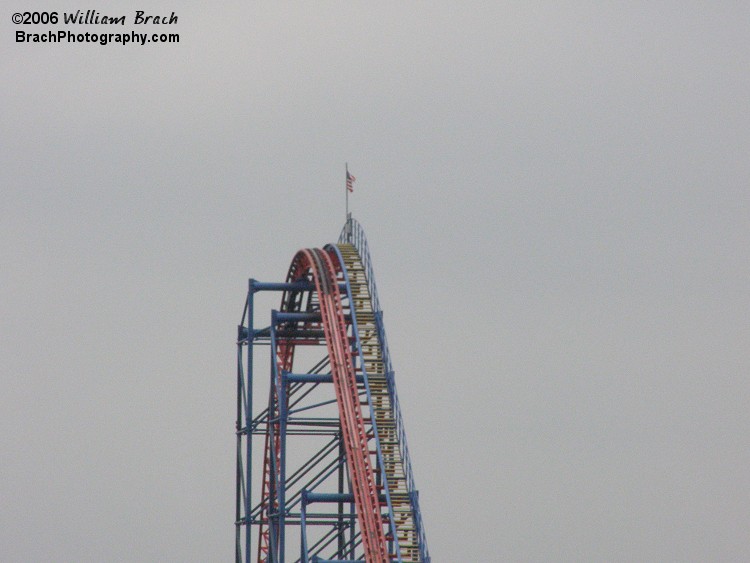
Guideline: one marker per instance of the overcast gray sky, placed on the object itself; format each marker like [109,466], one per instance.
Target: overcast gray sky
[556,199]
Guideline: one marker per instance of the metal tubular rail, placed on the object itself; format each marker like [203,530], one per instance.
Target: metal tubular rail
[271,537]
[352,233]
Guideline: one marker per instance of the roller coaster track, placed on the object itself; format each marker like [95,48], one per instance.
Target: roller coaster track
[352,234]
[329,299]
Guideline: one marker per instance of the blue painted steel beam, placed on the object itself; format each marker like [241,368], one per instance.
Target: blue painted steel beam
[284,286]
[313,378]
[288,286]
[291,334]
[310,497]
[248,416]
[282,317]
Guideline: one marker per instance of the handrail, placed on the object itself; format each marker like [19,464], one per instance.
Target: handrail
[353,233]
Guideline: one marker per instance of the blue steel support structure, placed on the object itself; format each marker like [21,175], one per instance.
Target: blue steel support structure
[319,446]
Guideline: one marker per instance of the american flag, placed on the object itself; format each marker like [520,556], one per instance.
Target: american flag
[349,181]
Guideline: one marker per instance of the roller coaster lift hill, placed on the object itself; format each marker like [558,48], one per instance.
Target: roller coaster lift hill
[323,472]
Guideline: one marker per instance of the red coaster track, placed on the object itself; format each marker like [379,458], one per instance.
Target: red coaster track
[324,270]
